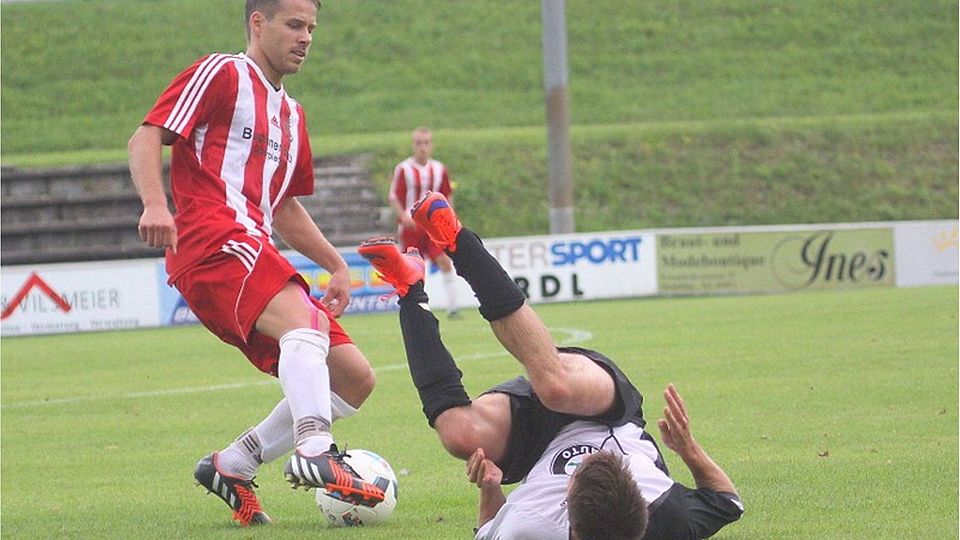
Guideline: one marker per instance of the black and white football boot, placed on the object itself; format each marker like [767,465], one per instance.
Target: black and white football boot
[236,492]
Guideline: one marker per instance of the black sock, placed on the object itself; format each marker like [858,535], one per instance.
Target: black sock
[434,373]
[499,296]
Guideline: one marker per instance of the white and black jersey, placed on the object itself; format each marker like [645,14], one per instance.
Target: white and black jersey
[536,510]
[546,447]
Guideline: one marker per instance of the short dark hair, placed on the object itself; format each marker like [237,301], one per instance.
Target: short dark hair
[604,502]
[267,7]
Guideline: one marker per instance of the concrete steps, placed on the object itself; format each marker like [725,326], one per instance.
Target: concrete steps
[90,213]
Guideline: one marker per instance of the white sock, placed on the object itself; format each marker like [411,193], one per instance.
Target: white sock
[242,457]
[306,384]
[340,408]
[450,286]
[276,430]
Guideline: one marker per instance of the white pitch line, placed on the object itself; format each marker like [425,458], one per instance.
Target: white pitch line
[132,395]
[575,336]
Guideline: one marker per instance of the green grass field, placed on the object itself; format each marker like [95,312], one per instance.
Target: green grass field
[835,413]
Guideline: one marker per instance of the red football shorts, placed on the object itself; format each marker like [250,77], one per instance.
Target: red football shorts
[417,237]
[228,292]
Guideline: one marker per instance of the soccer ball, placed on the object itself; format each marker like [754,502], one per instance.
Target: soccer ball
[374,469]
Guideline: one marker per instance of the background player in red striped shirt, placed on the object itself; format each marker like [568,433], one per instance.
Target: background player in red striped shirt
[240,156]
[412,179]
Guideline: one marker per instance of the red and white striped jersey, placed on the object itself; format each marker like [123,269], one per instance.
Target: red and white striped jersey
[242,149]
[412,180]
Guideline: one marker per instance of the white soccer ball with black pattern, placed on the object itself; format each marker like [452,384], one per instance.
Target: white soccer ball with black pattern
[374,469]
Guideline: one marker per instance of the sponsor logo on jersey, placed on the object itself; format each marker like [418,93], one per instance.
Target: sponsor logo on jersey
[567,460]
[261,144]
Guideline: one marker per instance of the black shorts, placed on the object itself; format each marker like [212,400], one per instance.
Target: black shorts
[534,426]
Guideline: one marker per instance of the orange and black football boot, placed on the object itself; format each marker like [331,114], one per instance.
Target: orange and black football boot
[434,213]
[235,491]
[330,472]
[398,269]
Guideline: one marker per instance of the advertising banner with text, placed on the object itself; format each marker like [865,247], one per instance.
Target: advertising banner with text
[567,267]
[59,298]
[365,294]
[82,297]
[747,261]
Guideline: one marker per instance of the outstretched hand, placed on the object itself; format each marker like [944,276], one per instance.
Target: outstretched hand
[675,424]
[675,433]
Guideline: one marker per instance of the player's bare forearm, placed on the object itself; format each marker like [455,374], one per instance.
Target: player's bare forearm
[705,472]
[299,231]
[146,165]
[487,476]
[491,500]
[401,212]
[297,227]
[156,226]
[397,207]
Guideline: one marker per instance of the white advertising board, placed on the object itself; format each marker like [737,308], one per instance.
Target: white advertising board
[567,267]
[926,253]
[82,297]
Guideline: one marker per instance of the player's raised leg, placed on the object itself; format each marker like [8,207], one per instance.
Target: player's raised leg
[462,425]
[567,383]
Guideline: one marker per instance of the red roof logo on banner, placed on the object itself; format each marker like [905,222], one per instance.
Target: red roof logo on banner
[34,281]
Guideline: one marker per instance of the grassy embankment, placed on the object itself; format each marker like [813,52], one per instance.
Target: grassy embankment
[682,114]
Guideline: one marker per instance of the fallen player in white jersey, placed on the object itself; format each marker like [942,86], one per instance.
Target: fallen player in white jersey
[572,430]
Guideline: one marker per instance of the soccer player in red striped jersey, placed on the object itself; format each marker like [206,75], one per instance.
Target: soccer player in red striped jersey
[412,179]
[240,157]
